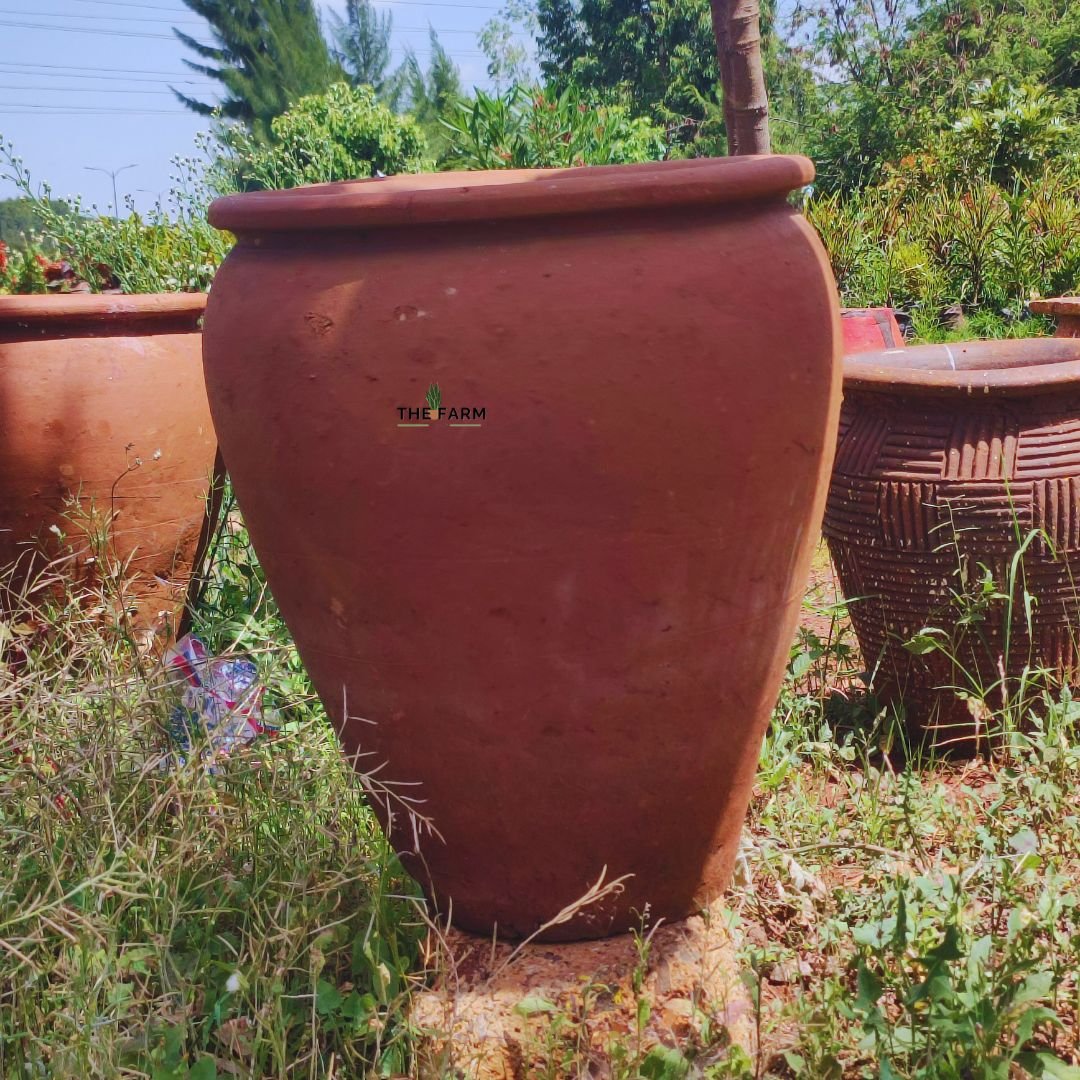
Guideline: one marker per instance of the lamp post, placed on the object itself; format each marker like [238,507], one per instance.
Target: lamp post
[113,174]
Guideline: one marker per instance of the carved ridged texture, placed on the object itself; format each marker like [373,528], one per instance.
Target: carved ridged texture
[926,495]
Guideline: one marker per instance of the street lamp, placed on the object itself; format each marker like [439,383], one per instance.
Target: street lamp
[113,173]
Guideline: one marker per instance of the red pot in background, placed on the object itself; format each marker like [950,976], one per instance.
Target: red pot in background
[950,457]
[870,330]
[88,386]
[560,607]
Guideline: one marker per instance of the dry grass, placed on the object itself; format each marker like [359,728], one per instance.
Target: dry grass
[157,919]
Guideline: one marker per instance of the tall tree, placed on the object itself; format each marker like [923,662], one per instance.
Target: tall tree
[737,27]
[509,60]
[267,54]
[363,44]
[901,73]
[433,93]
[660,56]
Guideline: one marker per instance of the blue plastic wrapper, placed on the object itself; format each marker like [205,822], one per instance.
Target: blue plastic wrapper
[219,700]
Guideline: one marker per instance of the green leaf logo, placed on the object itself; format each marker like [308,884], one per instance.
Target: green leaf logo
[434,400]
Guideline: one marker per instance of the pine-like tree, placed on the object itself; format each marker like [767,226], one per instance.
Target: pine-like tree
[434,93]
[267,54]
[362,38]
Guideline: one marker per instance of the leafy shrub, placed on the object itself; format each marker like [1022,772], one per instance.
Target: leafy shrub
[1010,132]
[344,134]
[928,246]
[21,270]
[170,249]
[529,128]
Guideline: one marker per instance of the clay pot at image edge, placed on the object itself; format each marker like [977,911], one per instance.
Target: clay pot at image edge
[949,457]
[560,628]
[89,386]
[870,330]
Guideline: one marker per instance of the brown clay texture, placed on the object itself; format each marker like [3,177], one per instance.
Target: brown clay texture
[949,457]
[561,631]
[89,384]
[870,330]
[1065,310]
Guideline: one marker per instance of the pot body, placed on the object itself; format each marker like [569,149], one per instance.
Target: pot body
[945,469]
[559,615]
[101,399]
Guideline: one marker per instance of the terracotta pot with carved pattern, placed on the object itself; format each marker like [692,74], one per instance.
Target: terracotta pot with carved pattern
[951,459]
[560,615]
[102,400]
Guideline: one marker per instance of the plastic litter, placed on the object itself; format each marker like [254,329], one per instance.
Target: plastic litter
[219,700]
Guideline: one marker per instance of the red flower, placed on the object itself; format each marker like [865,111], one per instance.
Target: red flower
[3,257]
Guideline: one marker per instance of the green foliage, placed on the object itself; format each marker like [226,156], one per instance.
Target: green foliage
[20,222]
[530,128]
[432,94]
[170,249]
[342,134]
[363,47]
[911,71]
[929,908]
[655,55]
[508,60]
[927,246]
[660,58]
[169,920]
[267,54]
[22,270]
[1010,133]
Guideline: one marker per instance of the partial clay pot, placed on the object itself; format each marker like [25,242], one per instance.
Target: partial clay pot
[870,330]
[950,456]
[1065,310]
[559,616]
[101,397]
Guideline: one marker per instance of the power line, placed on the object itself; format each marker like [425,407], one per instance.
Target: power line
[39,74]
[113,18]
[80,90]
[160,37]
[48,110]
[199,22]
[88,30]
[79,67]
[86,108]
[129,3]
[405,3]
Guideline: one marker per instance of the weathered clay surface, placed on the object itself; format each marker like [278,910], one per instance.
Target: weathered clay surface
[949,457]
[496,1013]
[565,622]
[1065,310]
[88,385]
[870,330]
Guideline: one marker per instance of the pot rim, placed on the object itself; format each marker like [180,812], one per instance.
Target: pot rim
[108,313]
[1016,367]
[436,198]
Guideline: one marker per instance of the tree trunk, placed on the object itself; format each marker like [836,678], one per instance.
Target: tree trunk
[736,24]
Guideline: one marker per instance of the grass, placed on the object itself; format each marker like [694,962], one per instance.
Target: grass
[898,916]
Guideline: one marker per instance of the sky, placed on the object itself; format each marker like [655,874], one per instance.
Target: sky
[84,85]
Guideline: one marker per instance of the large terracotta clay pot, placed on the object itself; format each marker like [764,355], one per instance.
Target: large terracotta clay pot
[562,612]
[88,385]
[949,457]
